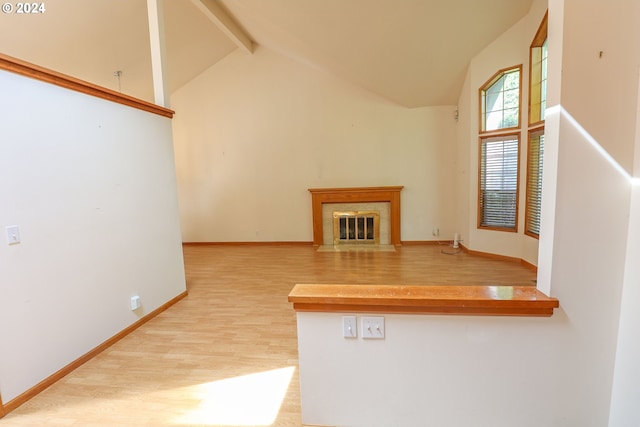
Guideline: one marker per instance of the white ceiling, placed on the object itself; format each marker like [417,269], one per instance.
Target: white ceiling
[413,52]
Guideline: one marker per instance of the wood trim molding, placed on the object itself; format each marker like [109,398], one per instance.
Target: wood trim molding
[23,68]
[490,255]
[541,34]
[320,196]
[2,412]
[42,385]
[456,300]
[293,243]
[427,242]
[530,266]
[500,257]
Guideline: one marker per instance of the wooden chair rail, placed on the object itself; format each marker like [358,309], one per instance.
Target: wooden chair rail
[456,300]
[33,71]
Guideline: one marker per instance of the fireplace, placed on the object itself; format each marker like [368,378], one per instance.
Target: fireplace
[355,217]
[383,200]
[357,227]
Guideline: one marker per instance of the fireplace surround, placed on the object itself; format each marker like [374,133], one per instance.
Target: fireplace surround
[320,196]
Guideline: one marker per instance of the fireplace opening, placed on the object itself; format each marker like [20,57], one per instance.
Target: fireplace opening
[359,227]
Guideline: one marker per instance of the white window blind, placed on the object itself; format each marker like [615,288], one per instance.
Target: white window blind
[499,182]
[534,182]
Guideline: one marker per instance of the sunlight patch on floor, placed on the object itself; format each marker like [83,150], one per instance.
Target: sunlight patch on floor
[249,400]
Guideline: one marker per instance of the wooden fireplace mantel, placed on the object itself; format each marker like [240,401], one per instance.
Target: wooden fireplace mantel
[320,196]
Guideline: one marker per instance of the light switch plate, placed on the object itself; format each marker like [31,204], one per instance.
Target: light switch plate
[373,327]
[349,327]
[13,234]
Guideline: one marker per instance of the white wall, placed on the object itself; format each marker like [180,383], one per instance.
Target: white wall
[508,50]
[601,92]
[611,79]
[587,272]
[625,411]
[445,371]
[465,207]
[92,186]
[489,371]
[254,132]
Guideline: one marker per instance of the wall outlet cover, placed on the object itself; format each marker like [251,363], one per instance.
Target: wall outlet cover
[135,302]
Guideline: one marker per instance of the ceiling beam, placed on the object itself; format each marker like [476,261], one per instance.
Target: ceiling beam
[225,23]
[155,12]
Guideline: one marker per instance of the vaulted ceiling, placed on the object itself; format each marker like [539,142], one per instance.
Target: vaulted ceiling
[413,52]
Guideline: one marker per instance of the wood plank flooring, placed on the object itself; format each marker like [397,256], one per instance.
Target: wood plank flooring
[206,360]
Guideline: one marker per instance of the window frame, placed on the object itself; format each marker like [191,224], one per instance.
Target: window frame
[481,107]
[535,126]
[484,135]
[538,40]
[515,134]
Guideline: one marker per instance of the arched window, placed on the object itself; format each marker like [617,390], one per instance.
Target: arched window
[499,151]
[500,101]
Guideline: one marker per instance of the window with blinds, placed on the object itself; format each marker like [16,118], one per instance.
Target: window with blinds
[498,182]
[534,182]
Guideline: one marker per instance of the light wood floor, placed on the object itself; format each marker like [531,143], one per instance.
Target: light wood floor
[204,361]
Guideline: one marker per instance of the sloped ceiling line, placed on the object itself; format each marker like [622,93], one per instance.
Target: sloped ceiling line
[225,23]
[414,53]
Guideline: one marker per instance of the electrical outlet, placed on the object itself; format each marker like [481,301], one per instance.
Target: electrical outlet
[373,327]
[435,231]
